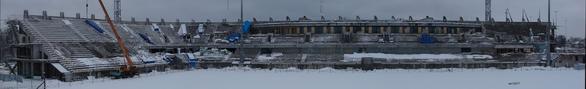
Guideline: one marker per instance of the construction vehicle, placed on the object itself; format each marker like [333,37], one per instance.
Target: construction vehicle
[128,70]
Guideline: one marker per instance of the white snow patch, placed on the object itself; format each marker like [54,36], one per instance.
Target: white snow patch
[359,56]
[93,62]
[265,57]
[149,57]
[67,22]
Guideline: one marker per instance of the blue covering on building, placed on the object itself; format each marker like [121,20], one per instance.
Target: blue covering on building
[145,38]
[426,39]
[246,26]
[94,25]
[192,60]
[233,37]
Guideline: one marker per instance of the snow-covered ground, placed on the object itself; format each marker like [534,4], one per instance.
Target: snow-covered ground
[327,78]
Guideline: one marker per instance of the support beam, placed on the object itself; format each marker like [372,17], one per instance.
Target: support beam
[488,10]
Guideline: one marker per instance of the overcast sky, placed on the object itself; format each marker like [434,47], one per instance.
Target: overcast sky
[569,14]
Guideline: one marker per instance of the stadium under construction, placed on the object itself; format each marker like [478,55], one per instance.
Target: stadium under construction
[70,48]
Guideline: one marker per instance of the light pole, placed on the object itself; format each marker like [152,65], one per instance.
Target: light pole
[547,35]
[241,63]
[242,11]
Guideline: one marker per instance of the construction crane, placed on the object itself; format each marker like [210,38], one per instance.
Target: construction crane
[508,16]
[117,11]
[129,70]
[487,10]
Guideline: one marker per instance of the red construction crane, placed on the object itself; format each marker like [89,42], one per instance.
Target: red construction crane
[128,70]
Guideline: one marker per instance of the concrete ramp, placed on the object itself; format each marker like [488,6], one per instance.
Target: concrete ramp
[60,68]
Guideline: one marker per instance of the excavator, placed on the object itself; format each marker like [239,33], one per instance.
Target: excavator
[128,70]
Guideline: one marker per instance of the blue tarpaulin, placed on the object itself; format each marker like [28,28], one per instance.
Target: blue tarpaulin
[192,60]
[145,38]
[94,25]
[246,26]
[425,38]
[233,37]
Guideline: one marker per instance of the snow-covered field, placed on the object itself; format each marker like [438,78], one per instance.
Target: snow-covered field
[233,78]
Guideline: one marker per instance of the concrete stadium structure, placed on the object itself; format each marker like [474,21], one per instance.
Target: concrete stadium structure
[70,48]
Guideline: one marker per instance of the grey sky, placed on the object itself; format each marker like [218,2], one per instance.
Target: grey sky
[570,13]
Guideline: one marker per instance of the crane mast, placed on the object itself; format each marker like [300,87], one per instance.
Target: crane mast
[117,11]
[128,69]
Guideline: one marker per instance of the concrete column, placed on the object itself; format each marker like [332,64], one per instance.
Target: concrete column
[305,30]
[162,21]
[297,30]
[148,22]
[332,30]
[62,14]
[344,30]
[444,30]
[419,30]
[370,29]
[312,30]
[382,29]
[25,14]
[350,29]
[32,70]
[36,52]
[77,15]
[45,15]
[178,50]
[362,30]
[402,29]
[93,16]
[132,20]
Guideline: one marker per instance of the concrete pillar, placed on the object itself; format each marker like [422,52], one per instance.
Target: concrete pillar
[297,30]
[369,29]
[312,30]
[363,30]
[325,30]
[332,30]
[32,70]
[45,15]
[77,16]
[178,50]
[162,21]
[384,30]
[25,14]
[148,22]
[444,30]
[350,29]
[62,14]
[132,20]
[344,30]
[419,30]
[401,29]
[36,52]
[93,16]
